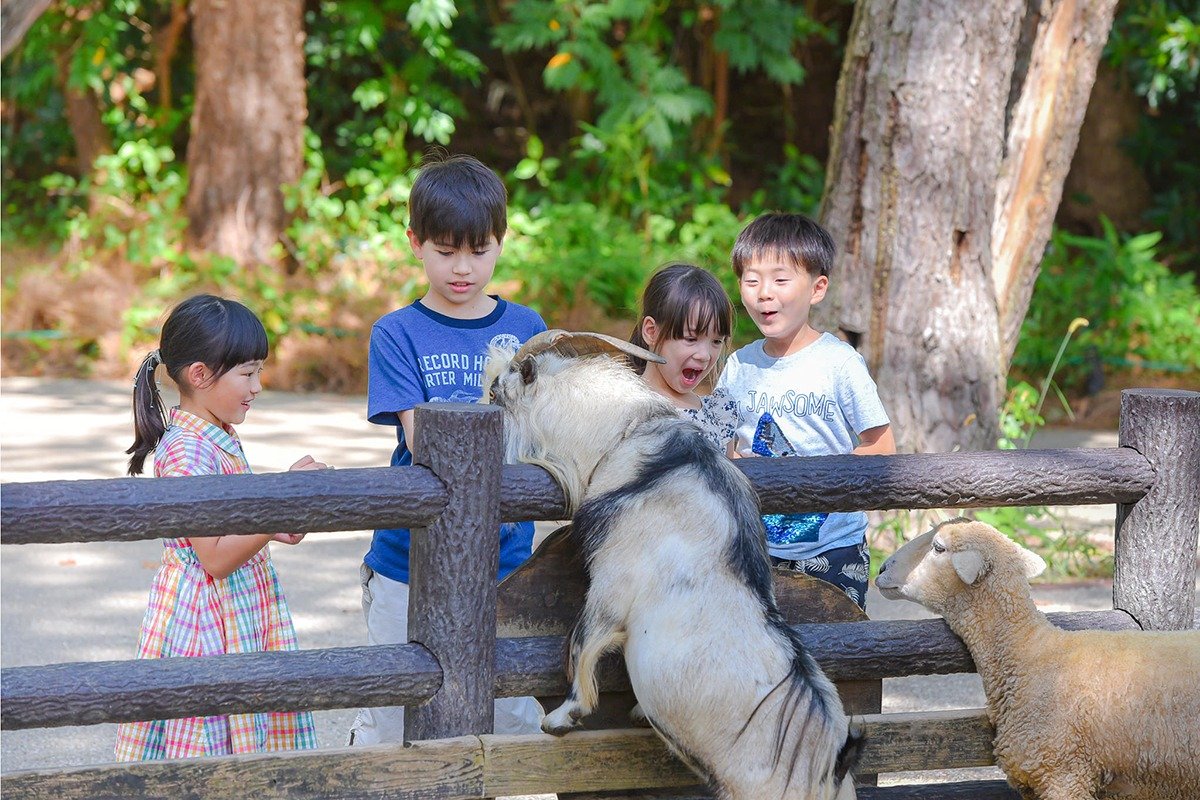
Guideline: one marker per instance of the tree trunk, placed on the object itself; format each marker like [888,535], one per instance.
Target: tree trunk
[82,108]
[247,126]
[16,16]
[919,168]
[1056,69]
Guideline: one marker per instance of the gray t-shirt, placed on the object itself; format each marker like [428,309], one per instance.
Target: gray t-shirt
[811,403]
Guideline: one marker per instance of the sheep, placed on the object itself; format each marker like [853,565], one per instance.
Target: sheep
[1075,712]
[675,550]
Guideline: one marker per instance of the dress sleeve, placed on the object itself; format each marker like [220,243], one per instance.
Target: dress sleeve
[720,411]
[186,455]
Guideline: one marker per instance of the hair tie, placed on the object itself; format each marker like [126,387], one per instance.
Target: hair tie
[152,360]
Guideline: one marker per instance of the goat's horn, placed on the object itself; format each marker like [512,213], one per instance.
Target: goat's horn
[577,345]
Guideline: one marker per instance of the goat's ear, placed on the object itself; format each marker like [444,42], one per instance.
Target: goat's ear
[528,371]
[969,565]
[1032,562]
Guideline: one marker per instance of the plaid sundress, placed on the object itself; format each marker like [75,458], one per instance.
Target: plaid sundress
[193,614]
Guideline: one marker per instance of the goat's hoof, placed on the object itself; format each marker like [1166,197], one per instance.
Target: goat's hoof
[638,717]
[561,720]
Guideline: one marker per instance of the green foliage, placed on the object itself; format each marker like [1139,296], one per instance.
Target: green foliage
[796,186]
[1141,313]
[648,138]
[1157,44]
[1158,41]
[564,252]
[382,73]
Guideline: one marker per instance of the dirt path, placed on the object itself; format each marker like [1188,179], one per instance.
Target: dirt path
[61,603]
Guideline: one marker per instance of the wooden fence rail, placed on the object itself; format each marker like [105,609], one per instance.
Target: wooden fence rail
[408,674]
[486,765]
[129,509]
[453,498]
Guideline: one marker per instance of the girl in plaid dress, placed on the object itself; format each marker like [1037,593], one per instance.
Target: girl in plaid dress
[218,594]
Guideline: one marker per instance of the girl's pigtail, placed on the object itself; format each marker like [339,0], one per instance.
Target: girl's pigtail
[149,416]
[636,338]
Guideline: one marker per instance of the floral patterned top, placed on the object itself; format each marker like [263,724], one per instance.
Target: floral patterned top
[717,417]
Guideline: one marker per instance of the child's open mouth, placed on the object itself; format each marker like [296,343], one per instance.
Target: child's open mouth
[691,375]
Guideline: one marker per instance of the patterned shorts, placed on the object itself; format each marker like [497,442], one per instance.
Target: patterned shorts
[845,567]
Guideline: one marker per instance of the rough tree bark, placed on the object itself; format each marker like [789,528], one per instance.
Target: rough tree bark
[1056,69]
[247,126]
[954,127]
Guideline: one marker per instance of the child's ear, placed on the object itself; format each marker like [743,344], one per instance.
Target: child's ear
[819,287]
[649,332]
[415,244]
[197,375]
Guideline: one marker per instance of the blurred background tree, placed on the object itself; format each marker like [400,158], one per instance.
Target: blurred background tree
[147,155]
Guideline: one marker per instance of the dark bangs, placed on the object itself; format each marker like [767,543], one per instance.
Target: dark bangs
[692,291]
[791,238]
[458,202]
[241,339]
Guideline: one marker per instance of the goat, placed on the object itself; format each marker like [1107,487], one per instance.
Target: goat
[675,550]
[1076,712]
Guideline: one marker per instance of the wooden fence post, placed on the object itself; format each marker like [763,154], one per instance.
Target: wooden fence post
[1155,571]
[453,565]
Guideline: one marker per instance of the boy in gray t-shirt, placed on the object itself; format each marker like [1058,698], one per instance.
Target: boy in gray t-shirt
[801,392]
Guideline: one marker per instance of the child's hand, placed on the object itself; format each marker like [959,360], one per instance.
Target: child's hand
[288,538]
[308,462]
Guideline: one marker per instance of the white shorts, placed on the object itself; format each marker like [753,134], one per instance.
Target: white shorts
[385,605]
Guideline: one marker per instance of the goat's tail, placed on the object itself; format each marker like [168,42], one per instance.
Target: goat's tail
[811,731]
[847,757]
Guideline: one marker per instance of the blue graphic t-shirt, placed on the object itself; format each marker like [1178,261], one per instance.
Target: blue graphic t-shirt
[811,403]
[418,356]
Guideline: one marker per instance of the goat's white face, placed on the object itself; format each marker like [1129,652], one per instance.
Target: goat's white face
[508,382]
[941,563]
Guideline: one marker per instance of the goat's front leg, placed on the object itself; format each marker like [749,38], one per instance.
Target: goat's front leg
[595,634]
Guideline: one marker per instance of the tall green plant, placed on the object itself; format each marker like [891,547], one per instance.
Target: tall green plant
[1141,313]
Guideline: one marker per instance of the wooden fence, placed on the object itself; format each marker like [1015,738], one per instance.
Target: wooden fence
[453,498]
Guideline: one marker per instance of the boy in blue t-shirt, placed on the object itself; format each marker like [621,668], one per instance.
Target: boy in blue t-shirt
[433,351]
[802,392]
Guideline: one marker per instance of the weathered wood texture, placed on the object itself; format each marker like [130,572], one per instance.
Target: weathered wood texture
[59,694]
[163,688]
[484,766]
[1057,55]
[948,480]
[126,509]
[129,509]
[453,565]
[1155,556]
[959,790]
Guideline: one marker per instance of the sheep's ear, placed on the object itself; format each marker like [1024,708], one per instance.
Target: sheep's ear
[969,565]
[1032,562]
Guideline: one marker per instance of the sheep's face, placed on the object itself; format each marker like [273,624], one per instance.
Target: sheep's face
[950,559]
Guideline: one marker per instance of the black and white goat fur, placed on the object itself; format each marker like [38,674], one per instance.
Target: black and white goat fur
[675,549]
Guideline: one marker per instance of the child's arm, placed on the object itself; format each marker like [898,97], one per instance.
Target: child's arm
[406,422]
[222,555]
[877,441]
